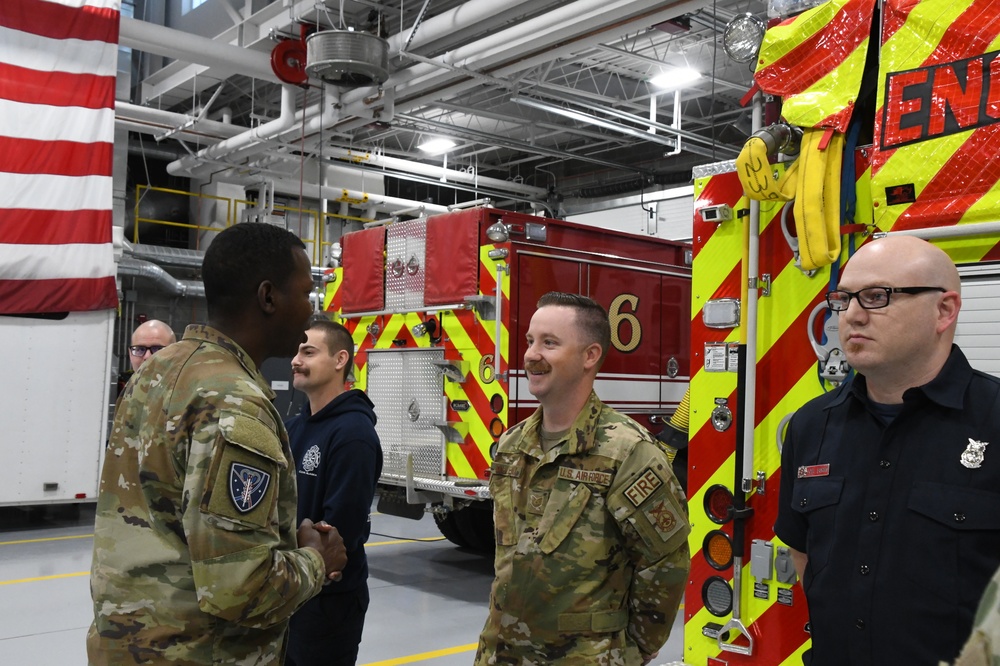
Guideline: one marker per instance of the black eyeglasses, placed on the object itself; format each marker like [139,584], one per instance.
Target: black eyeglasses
[871,298]
[140,350]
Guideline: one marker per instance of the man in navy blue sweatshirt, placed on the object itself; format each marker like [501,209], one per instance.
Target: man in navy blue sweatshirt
[338,461]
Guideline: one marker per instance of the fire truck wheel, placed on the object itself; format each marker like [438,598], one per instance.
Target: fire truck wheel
[449,528]
[475,522]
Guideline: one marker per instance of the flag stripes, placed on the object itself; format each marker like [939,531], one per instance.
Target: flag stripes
[58,62]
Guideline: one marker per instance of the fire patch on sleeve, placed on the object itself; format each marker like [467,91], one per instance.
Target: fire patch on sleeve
[643,487]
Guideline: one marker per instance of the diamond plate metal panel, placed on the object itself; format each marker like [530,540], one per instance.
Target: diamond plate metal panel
[416,252]
[407,390]
[395,265]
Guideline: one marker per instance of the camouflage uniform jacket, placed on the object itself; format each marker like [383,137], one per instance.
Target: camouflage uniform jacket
[195,554]
[983,646]
[592,556]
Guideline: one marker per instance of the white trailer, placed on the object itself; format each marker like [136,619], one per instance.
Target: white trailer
[54,406]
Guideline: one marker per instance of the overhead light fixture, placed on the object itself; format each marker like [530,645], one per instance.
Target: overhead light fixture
[675,77]
[436,146]
[743,37]
[347,58]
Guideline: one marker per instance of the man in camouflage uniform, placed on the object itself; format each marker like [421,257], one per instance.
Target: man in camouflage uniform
[196,555]
[983,646]
[591,525]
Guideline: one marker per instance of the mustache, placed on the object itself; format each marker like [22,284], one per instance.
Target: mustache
[537,366]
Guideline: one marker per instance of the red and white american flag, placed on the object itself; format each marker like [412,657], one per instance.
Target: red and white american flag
[57,113]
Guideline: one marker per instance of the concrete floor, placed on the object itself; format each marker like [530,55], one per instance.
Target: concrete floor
[428,597]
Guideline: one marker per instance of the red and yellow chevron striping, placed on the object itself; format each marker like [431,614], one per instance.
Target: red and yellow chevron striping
[786,378]
[815,61]
[937,127]
[466,338]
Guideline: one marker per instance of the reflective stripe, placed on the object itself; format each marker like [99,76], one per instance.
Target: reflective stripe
[815,62]
[935,159]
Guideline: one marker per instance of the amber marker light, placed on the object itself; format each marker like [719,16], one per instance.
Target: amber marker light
[718,550]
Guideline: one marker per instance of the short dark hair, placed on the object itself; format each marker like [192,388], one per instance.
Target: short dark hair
[590,315]
[337,338]
[240,258]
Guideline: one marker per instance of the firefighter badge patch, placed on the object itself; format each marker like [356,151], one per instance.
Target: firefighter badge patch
[247,486]
[310,461]
[974,453]
[663,519]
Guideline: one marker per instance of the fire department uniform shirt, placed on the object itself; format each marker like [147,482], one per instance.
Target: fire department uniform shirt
[195,558]
[901,523]
[592,556]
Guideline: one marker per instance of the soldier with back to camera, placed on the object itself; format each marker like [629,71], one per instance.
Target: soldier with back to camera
[196,556]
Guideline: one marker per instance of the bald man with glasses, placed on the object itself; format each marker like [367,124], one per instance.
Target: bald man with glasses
[148,338]
[890,492]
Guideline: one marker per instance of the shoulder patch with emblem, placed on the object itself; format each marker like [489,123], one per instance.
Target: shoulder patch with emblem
[247,486]
[663,519]
[643,487]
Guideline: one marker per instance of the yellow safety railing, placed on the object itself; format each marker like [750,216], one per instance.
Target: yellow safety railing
[138,200]
[311,226]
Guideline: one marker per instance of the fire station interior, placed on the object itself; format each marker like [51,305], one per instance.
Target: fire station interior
[557,108]
[329,117]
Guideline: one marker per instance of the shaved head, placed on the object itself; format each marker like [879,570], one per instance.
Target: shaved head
[907,342]
[152,333]
[908,256]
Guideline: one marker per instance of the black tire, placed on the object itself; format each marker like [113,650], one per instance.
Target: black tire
[475,522]
[449,528]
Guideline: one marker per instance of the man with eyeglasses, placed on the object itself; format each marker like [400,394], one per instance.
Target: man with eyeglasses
[890,492]
[148,338]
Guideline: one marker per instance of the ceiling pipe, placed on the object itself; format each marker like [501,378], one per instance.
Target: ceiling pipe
[500,195]
[625,129]
[187,166]
[152,121]
[163,41]
[463,17]
[127,114]
[535,34]
[278,16]
[568,29]
[380,160]
[337,194]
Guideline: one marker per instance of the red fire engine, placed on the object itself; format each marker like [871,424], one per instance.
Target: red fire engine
[439,308]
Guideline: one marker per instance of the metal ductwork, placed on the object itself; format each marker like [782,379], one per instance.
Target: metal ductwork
[170,256]
[347,58]
[131,267]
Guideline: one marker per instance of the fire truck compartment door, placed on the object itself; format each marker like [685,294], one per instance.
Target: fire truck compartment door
[364,289]
[452,257]
[408,392]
